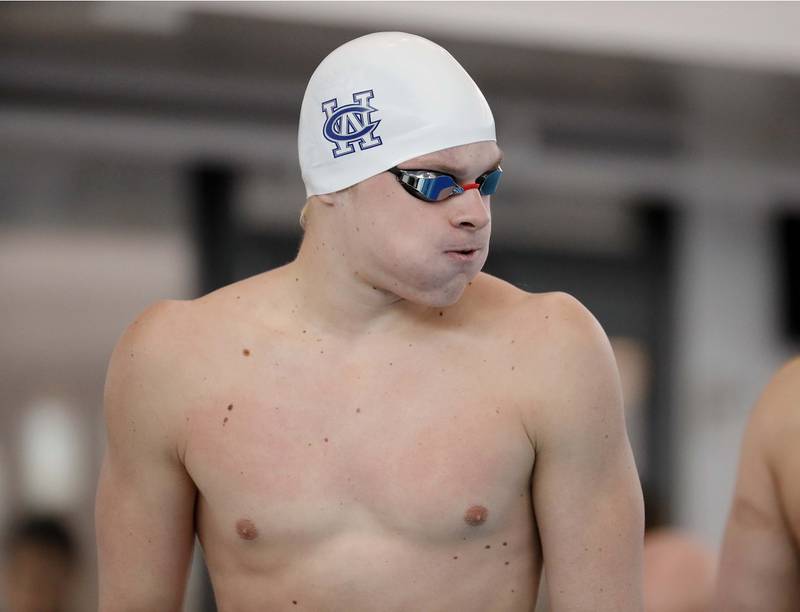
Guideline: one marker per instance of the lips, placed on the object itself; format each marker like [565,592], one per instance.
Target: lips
[467,250]
[463,255]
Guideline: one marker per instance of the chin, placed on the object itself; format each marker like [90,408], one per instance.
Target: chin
[442,295]
[437,301]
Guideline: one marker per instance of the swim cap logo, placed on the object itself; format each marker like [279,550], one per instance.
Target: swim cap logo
[351,124]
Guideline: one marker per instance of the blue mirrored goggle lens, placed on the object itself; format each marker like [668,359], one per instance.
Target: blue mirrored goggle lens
[489,182]
[438,188]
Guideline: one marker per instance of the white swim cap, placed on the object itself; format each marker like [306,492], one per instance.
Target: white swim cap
[380,100]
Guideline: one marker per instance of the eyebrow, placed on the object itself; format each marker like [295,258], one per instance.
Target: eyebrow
[447,168]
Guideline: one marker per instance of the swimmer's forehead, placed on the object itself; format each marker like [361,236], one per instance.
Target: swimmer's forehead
[459,160]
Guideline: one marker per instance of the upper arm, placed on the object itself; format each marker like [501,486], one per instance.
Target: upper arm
[586,492]
[759,567]
[145,499]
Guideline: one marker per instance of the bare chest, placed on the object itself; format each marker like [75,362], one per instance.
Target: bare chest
[291,451]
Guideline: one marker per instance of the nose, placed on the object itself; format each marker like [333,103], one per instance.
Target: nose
[469,211]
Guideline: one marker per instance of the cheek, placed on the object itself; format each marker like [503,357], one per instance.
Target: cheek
[390,227]
[399,251]
[395,230]
[398,247]
[409,240]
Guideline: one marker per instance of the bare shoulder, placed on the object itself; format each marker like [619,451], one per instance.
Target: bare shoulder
[781,397]
[775,421]
[141,383]
[574,353]
[554,322]
[148,342]
[557,307]
[767,490]
[568,364]
[179,336]
[159,368]
[758,568]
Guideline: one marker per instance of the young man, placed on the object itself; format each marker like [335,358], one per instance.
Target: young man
[376,425]
[679,572]
[760,566]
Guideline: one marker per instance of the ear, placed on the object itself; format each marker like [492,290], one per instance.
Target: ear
[329,199]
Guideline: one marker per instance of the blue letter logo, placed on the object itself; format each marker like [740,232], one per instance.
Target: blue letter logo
[351,124]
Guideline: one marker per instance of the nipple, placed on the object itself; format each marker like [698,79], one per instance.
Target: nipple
[476,515]
[246,529]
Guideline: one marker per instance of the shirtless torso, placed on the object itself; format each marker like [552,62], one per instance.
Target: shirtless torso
[760,565]
[392,469]
[386,472]
[371,427]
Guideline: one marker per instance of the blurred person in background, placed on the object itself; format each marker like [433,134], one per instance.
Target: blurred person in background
[357,430]
[679,569]
[679,572]
[39,567]
[760,565]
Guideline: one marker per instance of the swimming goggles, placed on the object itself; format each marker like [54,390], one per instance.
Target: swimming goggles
[432,186]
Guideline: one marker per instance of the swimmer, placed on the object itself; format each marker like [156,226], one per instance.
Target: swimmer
[679,572]
[376,425]
[760,564]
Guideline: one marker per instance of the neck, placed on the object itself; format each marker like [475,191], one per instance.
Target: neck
[330,291]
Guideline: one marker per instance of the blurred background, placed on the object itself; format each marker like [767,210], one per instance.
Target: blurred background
[148,151]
